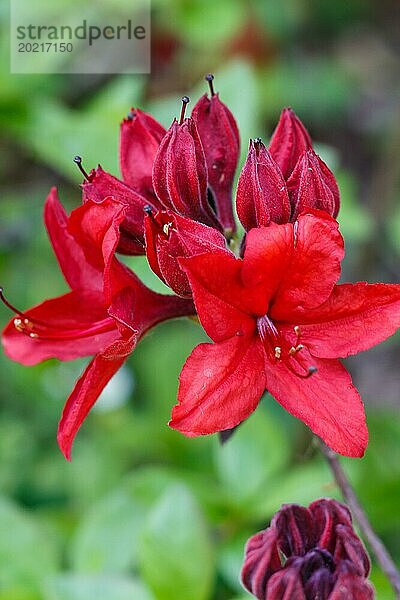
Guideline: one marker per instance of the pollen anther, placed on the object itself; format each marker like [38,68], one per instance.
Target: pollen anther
[18,325]
[278,352]
[166,228]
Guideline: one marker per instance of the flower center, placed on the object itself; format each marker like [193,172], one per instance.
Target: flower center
[279,348]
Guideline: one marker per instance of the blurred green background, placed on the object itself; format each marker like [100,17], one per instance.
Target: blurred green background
[143,513]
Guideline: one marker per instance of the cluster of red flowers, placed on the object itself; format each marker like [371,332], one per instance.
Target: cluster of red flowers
[274,311]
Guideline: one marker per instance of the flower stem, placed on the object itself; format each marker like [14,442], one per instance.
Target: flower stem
[375,543]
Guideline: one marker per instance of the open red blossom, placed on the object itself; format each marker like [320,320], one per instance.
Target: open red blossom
[308,553]
[105,314]
[219,135]
[279,322]
[170,236]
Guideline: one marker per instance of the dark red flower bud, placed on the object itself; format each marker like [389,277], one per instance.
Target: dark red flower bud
[219,135]
[262,559]
[262,196]
[349,547]
[285,585]
[319,584]
[350,585]
[140,137]
[295,529]
[326,515]
[313,185]
[99,186]
[307,554]
[180,173]
[289,140]
[170,236]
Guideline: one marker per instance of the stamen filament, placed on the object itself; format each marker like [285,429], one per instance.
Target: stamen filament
[185,102]
[36,328]
[78,161]
[210,78]
[30,329]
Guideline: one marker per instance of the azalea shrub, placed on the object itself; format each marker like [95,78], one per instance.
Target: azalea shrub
[265,292]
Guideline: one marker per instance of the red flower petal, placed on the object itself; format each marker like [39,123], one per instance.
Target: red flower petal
[267,255]
[327,402]
[220,386]
[137,309]
[74,325]
[88,388]
[99,187]
[313,269]
[140,138]
[224,305]
[298,265]
[76,270]
[95,226]
[355,318]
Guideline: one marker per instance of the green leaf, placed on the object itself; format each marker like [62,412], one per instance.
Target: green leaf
[106,539]
[176,554]
[256,451]
[26,552]
[87,587]
[92,132]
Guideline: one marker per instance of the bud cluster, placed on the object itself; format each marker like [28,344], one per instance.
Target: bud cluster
[307,554]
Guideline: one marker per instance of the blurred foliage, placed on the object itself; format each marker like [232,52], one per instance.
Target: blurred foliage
[143,512]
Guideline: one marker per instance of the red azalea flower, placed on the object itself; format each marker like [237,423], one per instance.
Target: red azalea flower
[279,322]
[308,553]
[101,185]
[105,314]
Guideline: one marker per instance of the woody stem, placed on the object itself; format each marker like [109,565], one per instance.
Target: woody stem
[375,543]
